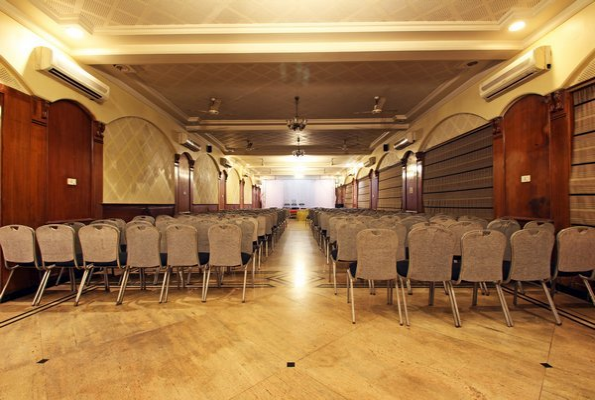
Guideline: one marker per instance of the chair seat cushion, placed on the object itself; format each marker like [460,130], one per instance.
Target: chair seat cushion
[334,254]
[245,258]
[79,261]
[456,269]
[121,256]
[353,268]
[403,267]
[506,270]
[203,258]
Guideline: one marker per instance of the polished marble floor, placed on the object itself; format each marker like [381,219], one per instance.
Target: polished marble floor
[292,339]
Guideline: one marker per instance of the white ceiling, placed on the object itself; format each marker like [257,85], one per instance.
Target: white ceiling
[256,55]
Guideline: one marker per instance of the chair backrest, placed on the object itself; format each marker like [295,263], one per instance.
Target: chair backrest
[254,222]
[147,218]
[18,244]
[106,222]
[56,244]
[482,221]
[182,245]
[460,228]
[377,254]
[202,227]
[540,225]
[431,251]
[77,243]
[143,246]
[531,254]
[247,228]
[332,223]
[482,255]
[507,227]
[225,245]
[391,217]
[100,243]
[346,239]
[576,249]
[443,220]
[262,224]
[138,222]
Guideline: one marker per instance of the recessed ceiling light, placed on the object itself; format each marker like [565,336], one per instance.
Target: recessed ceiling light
[75,32]
[517,26]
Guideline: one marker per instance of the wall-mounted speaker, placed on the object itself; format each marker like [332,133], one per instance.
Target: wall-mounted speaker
[385,147]
[209,148]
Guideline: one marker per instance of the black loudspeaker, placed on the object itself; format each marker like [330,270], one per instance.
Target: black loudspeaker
[209,148]
[385,147]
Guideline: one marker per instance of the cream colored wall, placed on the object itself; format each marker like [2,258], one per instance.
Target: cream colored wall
[248,190]
[572,43]
[17,43]
[138,163]
[206,180]
[232,187]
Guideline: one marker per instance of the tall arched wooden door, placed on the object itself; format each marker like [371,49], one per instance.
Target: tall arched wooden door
[184,170]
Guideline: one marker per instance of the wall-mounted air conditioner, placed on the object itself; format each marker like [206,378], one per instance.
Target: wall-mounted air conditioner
[371,161]
[406,139]
[185,141]
[225,162]
[70,73]
[526,67]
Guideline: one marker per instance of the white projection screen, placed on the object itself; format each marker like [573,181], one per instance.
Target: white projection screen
[309,192]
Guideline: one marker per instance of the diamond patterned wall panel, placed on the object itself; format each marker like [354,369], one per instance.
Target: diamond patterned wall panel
[206,180]
[452,127]
[138,163]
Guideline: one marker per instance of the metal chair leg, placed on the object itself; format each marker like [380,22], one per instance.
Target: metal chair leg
[6,284]
[404,301]
[453,304]
[244,286]
[82,286]
[505,309]
[125,276]
[552,305]
[41,288]
[589,289]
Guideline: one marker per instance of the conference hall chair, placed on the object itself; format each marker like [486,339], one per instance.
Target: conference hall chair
[431,252]
[142,252]
[57,250]
[147,218]
[18,251]
[182,253]
[507,227]
[77,245]
[482,256]
[225,248]
[459,229]
[376,260]
[576,255]
[540,225]
[346,251]
[247,250]
[101,250]
[482,221]
[531,261]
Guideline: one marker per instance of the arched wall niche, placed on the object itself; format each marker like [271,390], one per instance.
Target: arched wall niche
[248,190]
[138,163]
[450,128]
[232,188]
[206,180]
[388,159]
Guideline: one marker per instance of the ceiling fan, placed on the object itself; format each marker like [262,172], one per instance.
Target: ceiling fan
[214,104]
[346,147]
[378,107]
[249,145]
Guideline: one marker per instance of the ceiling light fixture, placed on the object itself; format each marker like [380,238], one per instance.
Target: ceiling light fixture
[297,124]
[516,26]
[298,152]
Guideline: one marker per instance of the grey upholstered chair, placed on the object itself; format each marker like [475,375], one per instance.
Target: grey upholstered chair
[576,255]
[247,250]
[142,252]
[182,253]
[18,250]
[147,218]
[483,222]
[376,261]
[431,252]
[346,252]
[101,249]
[540,224]
[481,261]
[225,248]
[507,227]
[531,261]
[459,229]
[77,247]
[58,250]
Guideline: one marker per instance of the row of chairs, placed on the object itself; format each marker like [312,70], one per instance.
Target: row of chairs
[163,244]
[432,259]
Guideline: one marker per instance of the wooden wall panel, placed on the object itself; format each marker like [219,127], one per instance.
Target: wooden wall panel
[582,176]
[363,192]
[526,148]
[184,180]
[390,188]
[69,156]
[458,175]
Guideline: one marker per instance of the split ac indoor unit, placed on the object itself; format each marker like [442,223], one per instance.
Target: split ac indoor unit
[526,67]
[70,73]
[225,162]
[185,141]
